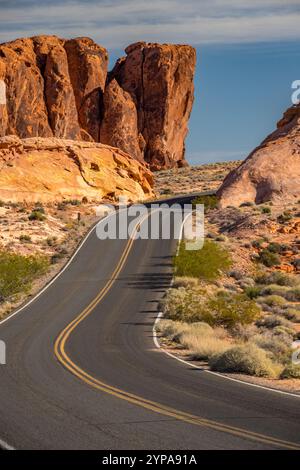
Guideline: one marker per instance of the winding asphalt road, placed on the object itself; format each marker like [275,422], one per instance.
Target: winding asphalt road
[83,372]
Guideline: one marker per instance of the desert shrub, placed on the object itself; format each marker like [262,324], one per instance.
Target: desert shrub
[171,329]
[25,238]
[253,292]
[185,305]
[39,208]
[271,321]
[37,215]
[207,263]
[276,345]
[292,314]
[51,241]
[272,300]
[209,202]
[274,289]
[257,243]
[247,204]
[268,258]
[275,247]
[247,359]
[236,274]
[175,330]
[291,371]
[279,278]
[60,254]
[265,210]
[293,295]
[244,332]
[285,217]
[228,310]
[203,347]
[17,272]
[185,281]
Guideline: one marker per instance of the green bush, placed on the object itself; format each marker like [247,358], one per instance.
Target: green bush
[268,259]
[17,272]
[253,291]
[25,238]
[285,217]
[292,371]
[228,310]
[276,247]
[207,263]
[37,215]
[209,202]
[246,359]
[265,210]
[272,300]
[185,305]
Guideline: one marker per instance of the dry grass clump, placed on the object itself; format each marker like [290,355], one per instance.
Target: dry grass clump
[203,347]
[247,359]
[201,340]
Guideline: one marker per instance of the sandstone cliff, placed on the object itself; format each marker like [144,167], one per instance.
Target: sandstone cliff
[159,78]
[272,170]
[59,88]
[52,169]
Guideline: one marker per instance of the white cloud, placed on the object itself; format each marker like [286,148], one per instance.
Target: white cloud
[118,23]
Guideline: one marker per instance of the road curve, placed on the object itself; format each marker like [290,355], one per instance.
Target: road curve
[82,370]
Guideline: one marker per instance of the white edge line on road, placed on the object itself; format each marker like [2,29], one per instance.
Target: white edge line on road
[4,445]
[225,377]
[59,273]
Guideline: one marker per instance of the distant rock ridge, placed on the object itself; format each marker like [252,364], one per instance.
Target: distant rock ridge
[60,88]
[272,171]
[49,169]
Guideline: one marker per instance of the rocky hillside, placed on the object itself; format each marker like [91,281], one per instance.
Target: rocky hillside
[50,169]
[51,87]
[272,170]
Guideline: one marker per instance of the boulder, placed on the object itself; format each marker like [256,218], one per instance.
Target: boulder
[272,171]
[51,169]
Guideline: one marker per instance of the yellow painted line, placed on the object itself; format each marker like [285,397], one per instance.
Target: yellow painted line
[66,361]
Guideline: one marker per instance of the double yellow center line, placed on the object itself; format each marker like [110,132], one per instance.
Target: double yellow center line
[66,361]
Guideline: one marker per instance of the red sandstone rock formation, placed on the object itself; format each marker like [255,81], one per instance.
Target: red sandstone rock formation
[159,77]
[52,169]
[272,170]
[56,87]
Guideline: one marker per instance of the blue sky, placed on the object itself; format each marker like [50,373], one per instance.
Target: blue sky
[248,55]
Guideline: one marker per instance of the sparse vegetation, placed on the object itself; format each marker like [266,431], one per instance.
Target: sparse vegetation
[25,238]
[17,272]
[209,202]
[37,215]
[268,258]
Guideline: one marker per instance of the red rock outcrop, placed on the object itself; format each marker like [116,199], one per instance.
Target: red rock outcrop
[57,87]
[88,70]
[54,87]
[272,170]
[159,77]
[52,169]
[119,126]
